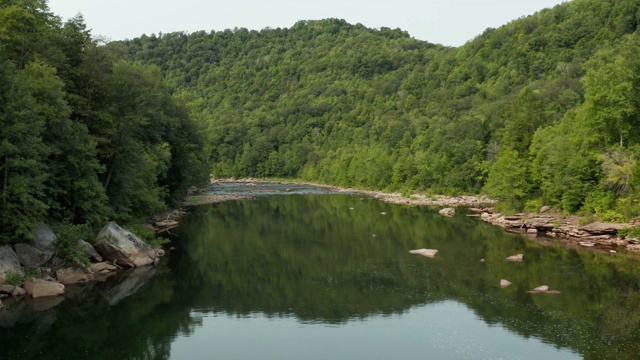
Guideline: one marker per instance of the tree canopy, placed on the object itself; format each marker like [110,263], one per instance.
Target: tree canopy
[531,112]
[85,137]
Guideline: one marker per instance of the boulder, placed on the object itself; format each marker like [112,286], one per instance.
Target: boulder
[505,283]
[31,256]
[447,212]
[43,239]
[599,228]
[542,288]
[424,252]
[89,250]
[532,231]
[73,276]
[516,258]
[544,209]
[9,262]
[123,248]
[37,288]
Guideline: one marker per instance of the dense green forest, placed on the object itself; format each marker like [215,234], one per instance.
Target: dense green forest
[543,110]
[84,137]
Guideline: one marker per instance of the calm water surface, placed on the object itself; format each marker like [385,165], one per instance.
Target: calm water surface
[310,275]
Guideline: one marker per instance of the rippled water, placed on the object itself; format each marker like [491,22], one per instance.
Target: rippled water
[304,275]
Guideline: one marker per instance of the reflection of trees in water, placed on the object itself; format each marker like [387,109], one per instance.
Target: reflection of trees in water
[316,259]
[306,268]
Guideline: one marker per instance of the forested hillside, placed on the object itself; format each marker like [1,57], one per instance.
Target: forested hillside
[543,110]
[84,137]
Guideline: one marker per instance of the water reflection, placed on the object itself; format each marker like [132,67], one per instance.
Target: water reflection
[303,276]
[426,332]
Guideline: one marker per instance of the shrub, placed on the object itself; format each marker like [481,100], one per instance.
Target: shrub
[633,232]
[13,278]
[147,236]
[66,244]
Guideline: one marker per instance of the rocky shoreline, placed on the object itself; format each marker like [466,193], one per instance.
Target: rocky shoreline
[545,224]
[544,227]
[33,270]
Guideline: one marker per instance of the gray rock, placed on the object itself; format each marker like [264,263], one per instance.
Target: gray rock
[123,248]
[44,239]
[38,288]
[90,251]
[31,256]
[9,262]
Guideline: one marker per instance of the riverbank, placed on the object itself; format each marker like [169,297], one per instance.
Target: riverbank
[545,226]
[201,196]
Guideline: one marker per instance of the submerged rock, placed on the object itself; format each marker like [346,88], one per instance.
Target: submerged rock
[424,252]
[447,212]
[516,258]
[123,248]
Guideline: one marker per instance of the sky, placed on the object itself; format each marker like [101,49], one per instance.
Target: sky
[447,22]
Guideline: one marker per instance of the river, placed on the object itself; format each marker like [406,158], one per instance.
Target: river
[305,274]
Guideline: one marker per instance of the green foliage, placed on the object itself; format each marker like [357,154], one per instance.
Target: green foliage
[67,238]
[13,278]
[632,232]
[85,138]
[337,103]
[147,236]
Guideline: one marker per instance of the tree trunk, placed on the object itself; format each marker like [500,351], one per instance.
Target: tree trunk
[6,179]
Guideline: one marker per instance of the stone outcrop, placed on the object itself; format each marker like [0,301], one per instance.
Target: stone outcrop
[38,288]
[424,252]
[90,251]
[447,212]
[599,228]
[596,235]
[123,248]
[9,262]
[73,276]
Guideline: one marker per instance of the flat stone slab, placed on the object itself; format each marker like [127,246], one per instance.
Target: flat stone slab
[424,252]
